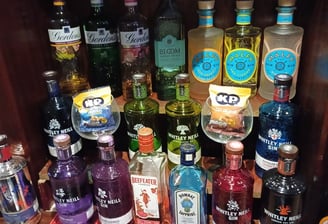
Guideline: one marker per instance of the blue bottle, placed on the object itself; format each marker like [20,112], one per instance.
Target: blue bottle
[188,189]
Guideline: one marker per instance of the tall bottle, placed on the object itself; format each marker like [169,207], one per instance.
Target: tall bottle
[282,45]
[103,49]
[57,115]
[65,41]
[183,118]
[187,183]
[109,174]
[148,170]
[277,120]
[232,197]
[242,49]
[169,45]
[18,200]
[140,112]
[283,191]
[205,50]
[134,48]
[69,182]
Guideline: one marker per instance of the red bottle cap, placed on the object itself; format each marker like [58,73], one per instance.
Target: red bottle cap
[5,154]
[146,140]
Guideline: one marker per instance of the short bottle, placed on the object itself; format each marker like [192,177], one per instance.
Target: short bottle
[18,200]
[277,120]
[187,183]
[148,170]
[113,201]
[232,197]
[283,191]
[69,183]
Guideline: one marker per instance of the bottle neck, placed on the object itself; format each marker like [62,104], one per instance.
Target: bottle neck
[182,91]
[53,88]
[244,17]
[281,94]
[140,91]
[286,167]
[97,7]
[132,9]
[205,18]
[64,153]
[285,15]
[107,154]
[233,162]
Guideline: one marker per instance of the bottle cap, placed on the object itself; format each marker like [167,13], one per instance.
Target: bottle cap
[139,78]
[286,3]
[182,78]
[287,159]
[234,147]
[58,3]
[62,140]
[146,140]
[130,2]
[188,153]
[288,151]
[49,75]
[206,5]
[283,80]
[244,4]
[105,140]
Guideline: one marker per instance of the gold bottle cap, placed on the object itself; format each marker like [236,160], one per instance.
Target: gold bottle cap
[286,3]
[244,4]
[203,5]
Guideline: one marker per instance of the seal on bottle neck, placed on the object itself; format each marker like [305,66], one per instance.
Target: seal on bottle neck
[146,140]
[188,153]
[244,4]
[288,154]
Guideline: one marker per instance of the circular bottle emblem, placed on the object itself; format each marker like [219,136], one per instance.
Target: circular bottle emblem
[324,220]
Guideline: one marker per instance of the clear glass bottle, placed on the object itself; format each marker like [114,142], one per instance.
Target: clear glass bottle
[18,200]
[232,195]
[282,45]
[187,183]
[134,48]
[205,52]
[109,174]
[183,118]
[69,183]
[277,125]
[169,46]
[65,41]
[148,170]
[103,49]
[142,111]
[242,49]
[283,191]
[57,115]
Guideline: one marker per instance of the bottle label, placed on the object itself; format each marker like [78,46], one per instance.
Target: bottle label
[78,217]
[206,65]
[134,38]
[285,17]
[101,37]
[126,218]
[244,17]
[240,65]
[187,204]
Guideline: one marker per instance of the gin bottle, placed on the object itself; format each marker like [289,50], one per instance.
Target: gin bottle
[281,50]
[109,174]
[140,112]
[205,50]
[148,170]
[187,183]
[232,197]
[69,183]
[169,45]
[283,191]
[18,200]
[242,49]
[277,120]
[183,118]
[103,50]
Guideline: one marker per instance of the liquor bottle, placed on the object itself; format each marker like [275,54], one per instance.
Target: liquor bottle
[140,112]
[65,41]
[18,200]
[148,170]
[282,190]
[282,45]
[187,183]
[232,197]
[169,46]
[69,183]
[103,49]
[57,115]
[109,174]
[242,49]
[183,118]
[277,120]
[134,48]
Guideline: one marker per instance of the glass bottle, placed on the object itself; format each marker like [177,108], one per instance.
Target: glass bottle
[187,183]
[148,170]
[205,50]
[103,49]
[69,183]
[134,48]
[232,197]
[57,115]
[65,41]
[242,49]
[109,174]
[283,191]
[142,111]
[18,200]
[277,124]
[183,118]
[169,46]
[282,45]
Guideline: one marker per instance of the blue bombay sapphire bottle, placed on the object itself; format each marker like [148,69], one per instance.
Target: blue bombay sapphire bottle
[188,189]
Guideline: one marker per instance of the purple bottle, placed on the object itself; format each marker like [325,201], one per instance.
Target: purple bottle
[69,183]
[112,187]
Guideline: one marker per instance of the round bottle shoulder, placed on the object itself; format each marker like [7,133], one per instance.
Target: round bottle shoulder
[186,107]
[283,30]
[67,169]
[205,32]
[276,108]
